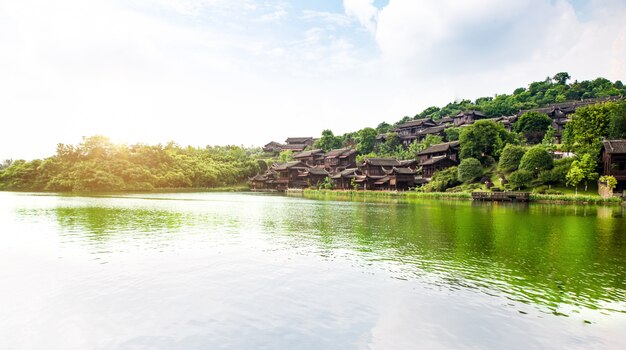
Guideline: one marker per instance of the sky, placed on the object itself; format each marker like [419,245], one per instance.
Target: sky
[246,72]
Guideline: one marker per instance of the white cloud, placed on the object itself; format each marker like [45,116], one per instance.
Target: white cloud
[220,71]
[364,11]
[482,47]
[337,19]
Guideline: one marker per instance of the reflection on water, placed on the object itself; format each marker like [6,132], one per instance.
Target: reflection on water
[552,256]
[559,260]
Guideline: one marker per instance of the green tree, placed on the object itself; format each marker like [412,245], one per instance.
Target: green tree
[285,156]
[588,167]
[588,126]
[469,170]
[617,129]
[511,157]
[328,141]
[452,134]
[561,78]
[391,144]
[482,139]
[366,140]
[574,176]
[533,126]
[536,159]
[520,179]
[443,179]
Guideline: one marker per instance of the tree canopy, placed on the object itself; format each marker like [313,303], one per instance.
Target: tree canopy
[96,164]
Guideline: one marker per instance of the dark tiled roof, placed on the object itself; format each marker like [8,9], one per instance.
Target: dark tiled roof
[340,152]
[273,143]
[408,162]
[417,122]
[308,153]
[294,140]
[348,173]
[401,171]
[432,130]
[293,147]
[436,160]
[318,171]
[382,180]
[441,147]
[382,162]
[614,146]
[570,106]
[472,113]
[289,165]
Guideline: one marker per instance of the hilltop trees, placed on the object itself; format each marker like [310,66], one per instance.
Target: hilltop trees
[328,141]
[483,139]
[533,126]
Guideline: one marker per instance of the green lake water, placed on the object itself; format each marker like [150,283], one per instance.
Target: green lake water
[258,271]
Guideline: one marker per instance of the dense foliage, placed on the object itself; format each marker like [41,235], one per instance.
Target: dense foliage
[469,170]
[484,139]
[536,159]
[96,164]
[511,157]
[533,126]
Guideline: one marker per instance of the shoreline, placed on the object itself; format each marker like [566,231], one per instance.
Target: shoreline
[361,194]
[534,197]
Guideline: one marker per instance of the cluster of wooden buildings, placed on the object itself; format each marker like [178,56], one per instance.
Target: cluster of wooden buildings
[312,168]
[417,130]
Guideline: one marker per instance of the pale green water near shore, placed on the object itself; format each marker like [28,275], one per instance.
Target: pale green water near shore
[249,271]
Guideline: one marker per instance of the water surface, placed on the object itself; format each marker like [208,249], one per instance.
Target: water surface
[254,271]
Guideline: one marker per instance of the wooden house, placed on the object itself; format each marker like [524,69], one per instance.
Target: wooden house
[388,173]
[432,165]
[446,121]
[467,117]
[614,161]
[348,178]
[288,175]
[307,141]
[437,157]
[313,177]
[560,113]
[438,130]
[408,132]
[340,159]
[311,158]
[273,147]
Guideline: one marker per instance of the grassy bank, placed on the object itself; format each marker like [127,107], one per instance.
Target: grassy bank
[383,194]
[534,197]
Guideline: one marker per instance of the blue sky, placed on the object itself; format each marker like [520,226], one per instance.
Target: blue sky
[250,71]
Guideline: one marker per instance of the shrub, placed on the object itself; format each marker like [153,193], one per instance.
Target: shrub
[520,179]
[443,180]
[511,157]
[535,160]
[469,170]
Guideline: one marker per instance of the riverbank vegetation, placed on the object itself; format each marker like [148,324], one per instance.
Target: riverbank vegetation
[98,165]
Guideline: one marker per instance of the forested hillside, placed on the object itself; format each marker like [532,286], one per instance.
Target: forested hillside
[538,94]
